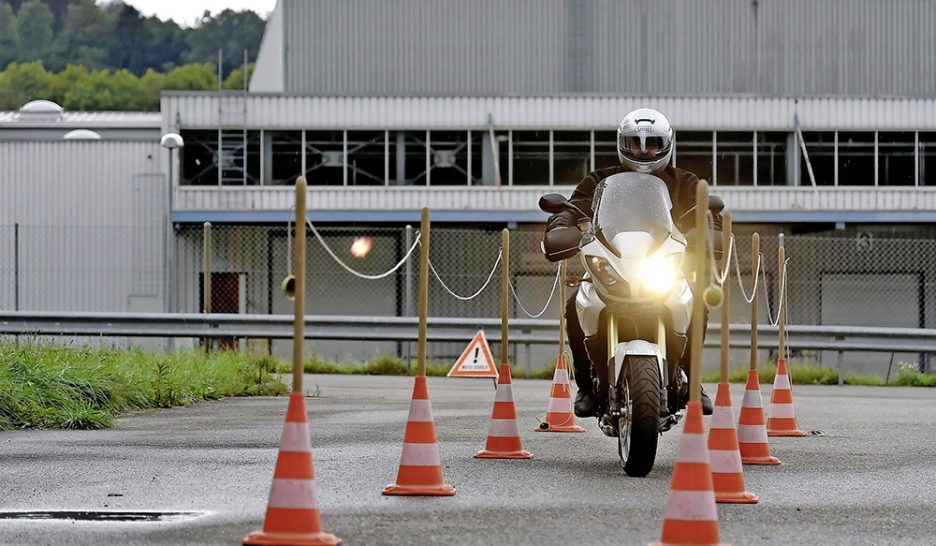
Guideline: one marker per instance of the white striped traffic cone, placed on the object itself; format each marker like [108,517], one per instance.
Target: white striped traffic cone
[724,454]
[559,416]
[292,515]
[782,419]
[752,430]
[503,440]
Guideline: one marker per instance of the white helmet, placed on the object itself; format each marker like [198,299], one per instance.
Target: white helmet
[645,140]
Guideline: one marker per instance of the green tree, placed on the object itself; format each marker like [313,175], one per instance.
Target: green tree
[101,90]
[34,28]
[167,43]
[21,83]
[62,82]
[230,31]
[132,40]
[9,39]
[85,38]
[235,81]
[192,77]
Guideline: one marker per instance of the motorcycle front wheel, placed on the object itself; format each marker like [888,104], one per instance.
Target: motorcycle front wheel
[638,426]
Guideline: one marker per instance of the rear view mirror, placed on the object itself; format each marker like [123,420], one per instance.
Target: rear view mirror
[553,203]
[716,204]
[561,243]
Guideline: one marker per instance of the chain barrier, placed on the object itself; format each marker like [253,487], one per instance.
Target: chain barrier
[356,273]
[500,254]
[781,298]
[756,274]
[551,294]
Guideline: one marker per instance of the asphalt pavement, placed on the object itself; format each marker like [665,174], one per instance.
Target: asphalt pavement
[865,477]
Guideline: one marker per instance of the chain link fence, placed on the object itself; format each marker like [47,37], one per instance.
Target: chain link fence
[831,280]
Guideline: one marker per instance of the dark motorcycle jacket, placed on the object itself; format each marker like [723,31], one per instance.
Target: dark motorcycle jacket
[681,185]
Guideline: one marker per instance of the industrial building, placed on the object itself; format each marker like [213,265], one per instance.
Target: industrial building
[809,118]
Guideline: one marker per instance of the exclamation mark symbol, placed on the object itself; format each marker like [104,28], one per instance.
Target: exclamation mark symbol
[476,355]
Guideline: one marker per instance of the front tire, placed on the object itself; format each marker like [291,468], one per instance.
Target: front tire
[639,394]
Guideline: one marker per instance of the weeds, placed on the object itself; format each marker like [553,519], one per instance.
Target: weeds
[52,387]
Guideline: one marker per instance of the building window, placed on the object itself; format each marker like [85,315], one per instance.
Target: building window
[199,158]
[856,159]
[571,156]
[895,159]
[478,157]
[694,153]
[324,151]
[927,150]
[735,158]
[366,154]
[820,146]
[772,158]
[606,154]
[448,162]
[282,157]
[408,158]
[530,158]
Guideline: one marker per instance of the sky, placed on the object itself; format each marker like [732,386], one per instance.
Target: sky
[186,12]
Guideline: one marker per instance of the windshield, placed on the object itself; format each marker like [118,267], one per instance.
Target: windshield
[633,202]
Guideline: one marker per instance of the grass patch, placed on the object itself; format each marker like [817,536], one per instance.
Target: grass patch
[391,365]
[52,387]
[908,375]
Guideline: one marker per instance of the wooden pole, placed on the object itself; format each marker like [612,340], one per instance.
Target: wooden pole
[701,283]
[423,290]
[300,269]
[563,271]
[781,319]
[726,293]
[505,292]
[206,267]
[755,251]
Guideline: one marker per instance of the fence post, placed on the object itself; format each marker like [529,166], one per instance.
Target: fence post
[16,266]
[206,275]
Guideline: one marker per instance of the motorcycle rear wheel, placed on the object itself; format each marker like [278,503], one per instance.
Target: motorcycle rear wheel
[639,423]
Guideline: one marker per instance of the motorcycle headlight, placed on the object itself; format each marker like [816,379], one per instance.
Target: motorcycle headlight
[659,274]
[602,270]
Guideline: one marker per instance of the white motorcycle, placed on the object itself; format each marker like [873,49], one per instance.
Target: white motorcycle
[634,305]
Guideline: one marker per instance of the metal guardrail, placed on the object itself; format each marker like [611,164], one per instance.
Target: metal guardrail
[338,327]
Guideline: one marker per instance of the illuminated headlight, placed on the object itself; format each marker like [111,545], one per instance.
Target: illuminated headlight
[602,270]
[658,274]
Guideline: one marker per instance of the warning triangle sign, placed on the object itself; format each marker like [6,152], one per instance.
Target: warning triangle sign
[476,361]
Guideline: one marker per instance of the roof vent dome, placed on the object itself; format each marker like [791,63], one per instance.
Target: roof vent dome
[40,110]
[82,134]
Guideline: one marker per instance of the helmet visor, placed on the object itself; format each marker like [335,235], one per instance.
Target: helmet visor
[643,147]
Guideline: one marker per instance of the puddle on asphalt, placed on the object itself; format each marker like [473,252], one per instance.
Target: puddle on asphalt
[88,515]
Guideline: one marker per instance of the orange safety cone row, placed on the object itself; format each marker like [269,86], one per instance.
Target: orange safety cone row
[503,441]
[559,416]
[691,517]
[752,430]
[420,466]
[724,454]
[782,418]
[292,515]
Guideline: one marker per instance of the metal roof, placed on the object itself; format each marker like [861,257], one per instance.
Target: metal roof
[83,120]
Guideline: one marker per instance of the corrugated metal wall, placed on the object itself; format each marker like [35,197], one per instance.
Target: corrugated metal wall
[91,217]
[536,47]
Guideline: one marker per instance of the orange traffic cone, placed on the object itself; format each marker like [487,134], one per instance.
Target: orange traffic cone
[503,441]
[691,517]
[752,432]
[724,455]
[292,515]
[782,420]
[559,416]
[420,467]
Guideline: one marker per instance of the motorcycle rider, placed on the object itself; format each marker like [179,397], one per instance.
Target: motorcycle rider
[645,143]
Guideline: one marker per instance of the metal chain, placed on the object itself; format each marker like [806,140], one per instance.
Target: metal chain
[756,274]
[551,294]
[782,296]
[500,254]
[356,273]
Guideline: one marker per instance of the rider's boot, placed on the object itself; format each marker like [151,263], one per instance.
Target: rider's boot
[585,404]
[707,407]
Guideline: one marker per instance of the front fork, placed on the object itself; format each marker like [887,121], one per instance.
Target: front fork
[616,408]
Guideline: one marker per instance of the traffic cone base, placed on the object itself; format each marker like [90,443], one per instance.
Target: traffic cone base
[691,517]
[559,416]
[752,430]
[782,420]
[420,470]
[724,453]
[292,515]
[503,441]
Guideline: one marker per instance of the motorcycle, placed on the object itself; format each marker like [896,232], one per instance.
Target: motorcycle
[634,305]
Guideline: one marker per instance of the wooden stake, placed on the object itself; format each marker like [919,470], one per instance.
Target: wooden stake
[300,269]
[726,293]
[755,251]
[701,283]
[505,292]
[781,319]
[563,271]
[423,290]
